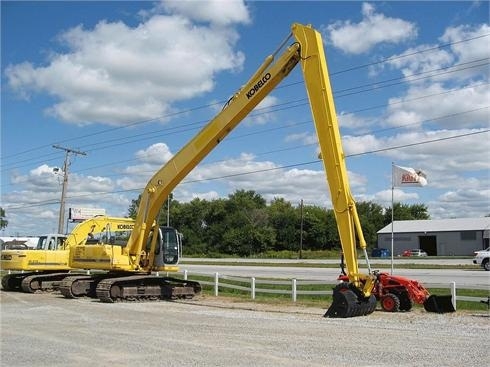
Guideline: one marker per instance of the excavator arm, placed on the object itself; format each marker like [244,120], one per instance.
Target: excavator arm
[267,77]
[307,50]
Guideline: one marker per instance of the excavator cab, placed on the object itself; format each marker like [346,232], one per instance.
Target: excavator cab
[171,246]
[168,247]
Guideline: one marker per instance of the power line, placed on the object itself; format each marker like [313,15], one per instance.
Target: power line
[131,124]
[198,124]
[50,202]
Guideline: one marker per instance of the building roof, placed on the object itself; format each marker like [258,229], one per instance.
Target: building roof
[438,225]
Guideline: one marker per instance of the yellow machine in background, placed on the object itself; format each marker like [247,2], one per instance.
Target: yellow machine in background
[144,252]
[44,267]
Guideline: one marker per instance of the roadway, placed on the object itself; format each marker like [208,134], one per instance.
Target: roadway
[463,277]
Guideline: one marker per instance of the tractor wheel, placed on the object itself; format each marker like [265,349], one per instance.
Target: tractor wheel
[390,303]
[406,303]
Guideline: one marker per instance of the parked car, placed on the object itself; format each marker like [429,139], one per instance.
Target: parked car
[482,258]
[414,252]
[380,252]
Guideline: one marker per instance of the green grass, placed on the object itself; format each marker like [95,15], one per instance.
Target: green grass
[310,300]
[319,300]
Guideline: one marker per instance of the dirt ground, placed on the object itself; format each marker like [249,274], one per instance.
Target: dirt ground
[48,330]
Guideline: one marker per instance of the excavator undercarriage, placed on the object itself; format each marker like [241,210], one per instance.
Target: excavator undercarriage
[32,282]
[112,287]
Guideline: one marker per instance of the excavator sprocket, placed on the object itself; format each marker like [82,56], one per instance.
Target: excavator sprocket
[145,288]
[347,302]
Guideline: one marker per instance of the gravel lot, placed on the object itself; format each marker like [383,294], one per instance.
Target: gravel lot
[48,330]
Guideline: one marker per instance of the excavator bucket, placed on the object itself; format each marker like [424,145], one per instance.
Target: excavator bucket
[349,302]
[439,304]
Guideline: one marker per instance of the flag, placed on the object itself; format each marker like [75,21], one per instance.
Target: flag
[406,176]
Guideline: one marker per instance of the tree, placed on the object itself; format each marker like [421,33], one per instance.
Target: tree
[284,219]
[372,220]
[406,212]
[3,222]
[247,224]
[315,232]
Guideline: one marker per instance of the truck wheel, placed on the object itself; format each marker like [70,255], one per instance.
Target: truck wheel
[390,303]
[486,265]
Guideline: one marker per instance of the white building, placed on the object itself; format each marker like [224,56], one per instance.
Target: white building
[439,237]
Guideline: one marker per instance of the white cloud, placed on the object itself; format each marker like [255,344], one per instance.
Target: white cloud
[435,156]
[475,49]
[465,107]
[383,197]
[472,202]
[117,74]
[373,29]
[148,162]
[38,193]
[466,58]
[157,154]
[262,113]
[305,137]
[215,11]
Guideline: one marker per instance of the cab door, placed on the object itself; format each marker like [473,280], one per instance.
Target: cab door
[56,255]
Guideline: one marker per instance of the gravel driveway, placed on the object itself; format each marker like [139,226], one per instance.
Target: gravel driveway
[48,330]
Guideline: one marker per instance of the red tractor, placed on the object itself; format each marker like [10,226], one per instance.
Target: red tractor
[396,293]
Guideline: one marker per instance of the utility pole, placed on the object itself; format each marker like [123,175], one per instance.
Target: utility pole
[301,232]
[66,164]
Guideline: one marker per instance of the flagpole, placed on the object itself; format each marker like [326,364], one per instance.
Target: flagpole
[392,216]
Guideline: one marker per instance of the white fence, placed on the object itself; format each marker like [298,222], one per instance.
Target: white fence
[255,286]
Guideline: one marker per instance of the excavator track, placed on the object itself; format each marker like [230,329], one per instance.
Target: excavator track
[81,285]
[145,288]
[42,282]
[31,282]
[347,302]
[12,282]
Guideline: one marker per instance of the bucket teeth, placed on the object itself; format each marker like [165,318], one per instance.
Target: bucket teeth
[347,303]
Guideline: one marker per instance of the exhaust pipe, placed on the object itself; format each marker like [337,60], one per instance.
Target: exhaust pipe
[439,304]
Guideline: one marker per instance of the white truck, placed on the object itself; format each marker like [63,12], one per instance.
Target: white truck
[482,258]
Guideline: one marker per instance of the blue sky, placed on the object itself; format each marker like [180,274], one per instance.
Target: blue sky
[129,83]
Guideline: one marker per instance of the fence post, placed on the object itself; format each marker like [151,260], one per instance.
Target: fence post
[453,294]
[185,274]
[293,293]
[252,286]
[216,284]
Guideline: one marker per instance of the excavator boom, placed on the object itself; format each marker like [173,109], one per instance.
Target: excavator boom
[142,253]
[307,50]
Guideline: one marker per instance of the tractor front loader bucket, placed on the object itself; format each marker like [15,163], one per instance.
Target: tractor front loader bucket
[439,304]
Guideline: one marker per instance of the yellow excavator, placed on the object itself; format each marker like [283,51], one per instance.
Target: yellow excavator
[130,267]
[46,265]
[129,270]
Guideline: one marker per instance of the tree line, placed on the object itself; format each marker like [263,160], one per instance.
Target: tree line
[244,224]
